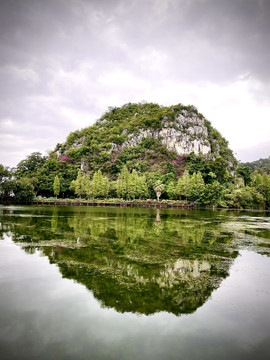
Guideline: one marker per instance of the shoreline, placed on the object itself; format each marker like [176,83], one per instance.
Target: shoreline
[130,204]
[115,204]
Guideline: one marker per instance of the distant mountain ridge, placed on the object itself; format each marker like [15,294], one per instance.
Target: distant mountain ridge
[262,165]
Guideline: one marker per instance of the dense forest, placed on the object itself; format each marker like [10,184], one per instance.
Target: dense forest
[133,152]
[262,165]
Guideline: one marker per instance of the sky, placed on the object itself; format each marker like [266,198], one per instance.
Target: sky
[64,62]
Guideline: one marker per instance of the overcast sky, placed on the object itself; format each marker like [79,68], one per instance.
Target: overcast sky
[63,62]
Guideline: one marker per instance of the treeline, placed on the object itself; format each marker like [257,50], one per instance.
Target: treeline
[207,183]
[262,165]
[17,189]
[189,188]
[36,174]
[127,186]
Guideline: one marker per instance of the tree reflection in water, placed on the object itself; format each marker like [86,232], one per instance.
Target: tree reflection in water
[134,260]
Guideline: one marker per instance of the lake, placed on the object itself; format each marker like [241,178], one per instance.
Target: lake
[133,283]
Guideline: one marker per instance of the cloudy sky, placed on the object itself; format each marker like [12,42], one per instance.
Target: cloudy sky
[63,62]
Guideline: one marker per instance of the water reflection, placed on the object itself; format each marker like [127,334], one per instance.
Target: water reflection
[134,260]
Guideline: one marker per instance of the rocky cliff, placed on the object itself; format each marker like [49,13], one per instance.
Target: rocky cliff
[189,134]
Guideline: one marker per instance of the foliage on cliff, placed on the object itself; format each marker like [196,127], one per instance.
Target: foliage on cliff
[106,146]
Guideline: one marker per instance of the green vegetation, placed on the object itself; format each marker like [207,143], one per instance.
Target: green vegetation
[136,259]
[106,145]
[261,165]
[56,186]
[111,251]
[18,190]
[123,156]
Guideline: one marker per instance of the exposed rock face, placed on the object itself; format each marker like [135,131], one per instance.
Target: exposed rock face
[184,136]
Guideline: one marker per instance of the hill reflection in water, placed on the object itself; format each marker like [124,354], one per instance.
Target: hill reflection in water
[134,260]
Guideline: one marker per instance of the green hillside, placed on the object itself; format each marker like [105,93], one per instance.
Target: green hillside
[141,152]
[134,135]
[261,165]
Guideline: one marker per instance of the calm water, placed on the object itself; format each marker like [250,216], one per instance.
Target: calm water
[110,283]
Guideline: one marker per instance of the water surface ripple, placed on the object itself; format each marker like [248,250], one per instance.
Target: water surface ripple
[118,283]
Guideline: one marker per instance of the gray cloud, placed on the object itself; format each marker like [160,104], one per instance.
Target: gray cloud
[63,62]
[251,153]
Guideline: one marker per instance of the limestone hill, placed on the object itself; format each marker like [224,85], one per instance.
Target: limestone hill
[146,137]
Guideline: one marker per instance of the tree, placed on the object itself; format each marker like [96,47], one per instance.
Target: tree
[133,185]
[30,165]
[106,186]
[158,188]
[245,172]
[89,189]
[119,186]
[100,185]
[196,188]
[5,176]
[85,184]
[219,168]
[183,185]
[171,190]
[212,194]
[266,188]
[8,187]
[5,173]
[79,185]
[21,190]
[95,185]
[72,186]
[24,190]
[258,199]
[197,164]
[244,197]
[56,186]
[66,173]
[126,176]
[142,188]
[123,184]
[46,174]
[256,179]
